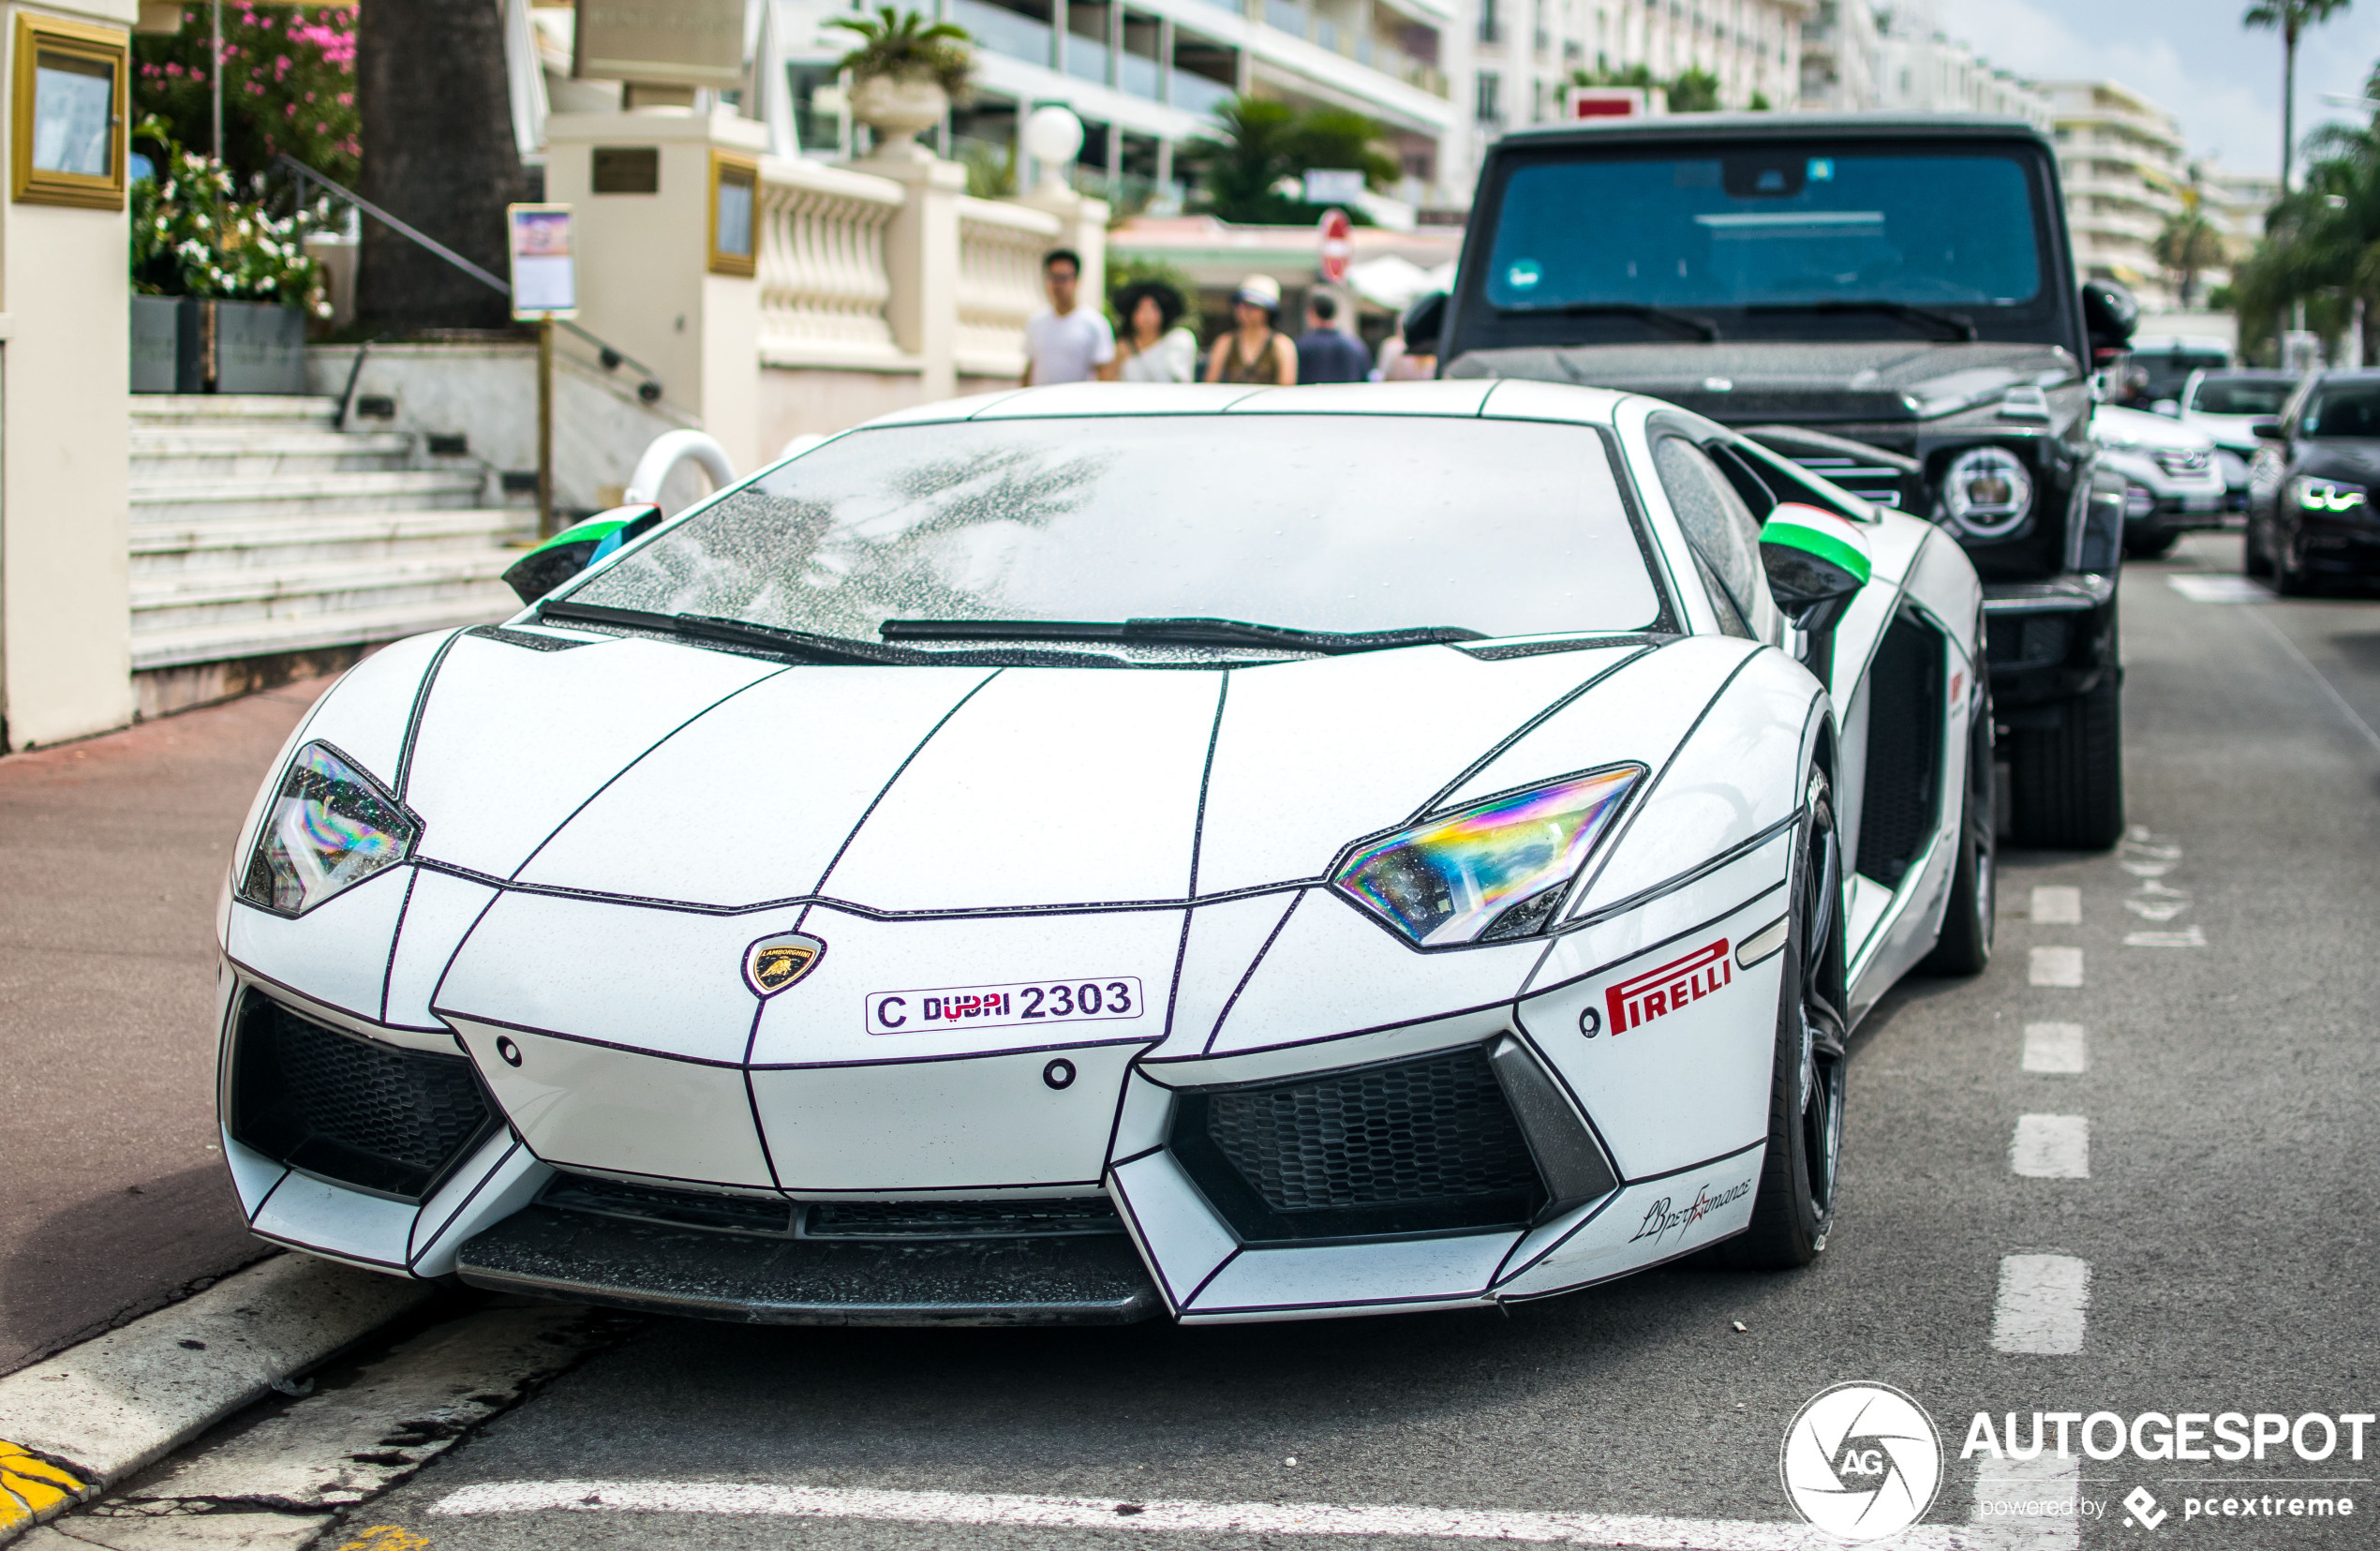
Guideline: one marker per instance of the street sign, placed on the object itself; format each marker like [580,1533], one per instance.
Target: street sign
[1593,102]
[544,278]
[1334,185]
[1338,246]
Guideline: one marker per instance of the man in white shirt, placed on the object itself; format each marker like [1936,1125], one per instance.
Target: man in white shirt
[1067,342]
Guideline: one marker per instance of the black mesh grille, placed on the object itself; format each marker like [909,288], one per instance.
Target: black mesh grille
[972,1219]
[681,1208]
[387,1120]
[1411,1147]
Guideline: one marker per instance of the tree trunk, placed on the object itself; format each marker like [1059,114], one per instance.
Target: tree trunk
[2288,104]
[438,154]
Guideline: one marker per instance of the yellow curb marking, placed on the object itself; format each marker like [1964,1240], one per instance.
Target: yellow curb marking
[388,1537]
[32,1486]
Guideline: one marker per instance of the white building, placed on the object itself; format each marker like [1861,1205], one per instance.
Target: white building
[1146,75]
[1839,46]
[1919,69]
[2121,158]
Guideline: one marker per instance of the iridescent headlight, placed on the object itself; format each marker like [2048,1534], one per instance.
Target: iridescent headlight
[329,828]
[1491,871]
[1987,492]
[2326,494]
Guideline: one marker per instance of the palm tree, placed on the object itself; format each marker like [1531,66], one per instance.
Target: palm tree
[2188,244]
[2292,18]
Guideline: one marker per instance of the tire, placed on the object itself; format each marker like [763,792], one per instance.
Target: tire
[1964,947]
[2290,578]
[2253,561]
[2066,781]
[1794,1209]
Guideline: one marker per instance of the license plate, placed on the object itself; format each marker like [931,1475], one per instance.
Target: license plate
[1041,1004]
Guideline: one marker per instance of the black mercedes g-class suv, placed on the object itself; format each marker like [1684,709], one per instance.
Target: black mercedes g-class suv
[1888,301]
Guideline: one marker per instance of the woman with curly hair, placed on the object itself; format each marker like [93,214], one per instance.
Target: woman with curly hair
[1153,347]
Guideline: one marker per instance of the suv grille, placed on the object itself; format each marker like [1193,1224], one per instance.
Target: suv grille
[1425,1145]
[1871,482]
[374,1116]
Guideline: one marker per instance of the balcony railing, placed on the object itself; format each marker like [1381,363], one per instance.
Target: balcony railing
[1086,58]
[1003,31]
[1197,93]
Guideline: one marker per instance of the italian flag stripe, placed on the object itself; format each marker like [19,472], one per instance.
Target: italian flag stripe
[1811,539]
[594,530]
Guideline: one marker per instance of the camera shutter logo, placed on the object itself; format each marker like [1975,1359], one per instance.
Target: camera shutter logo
[1862,1461]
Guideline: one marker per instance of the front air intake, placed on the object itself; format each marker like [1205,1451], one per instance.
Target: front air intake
[379,1117]
[1427,1145]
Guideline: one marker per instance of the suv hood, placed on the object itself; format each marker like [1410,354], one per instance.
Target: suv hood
[1805,382]
[2113,425]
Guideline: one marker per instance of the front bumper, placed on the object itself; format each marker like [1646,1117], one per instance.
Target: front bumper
[2047,642]
[1228,1165]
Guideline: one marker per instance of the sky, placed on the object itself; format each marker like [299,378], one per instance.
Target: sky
[2190,56]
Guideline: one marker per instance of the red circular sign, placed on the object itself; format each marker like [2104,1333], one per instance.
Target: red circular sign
[1338,244]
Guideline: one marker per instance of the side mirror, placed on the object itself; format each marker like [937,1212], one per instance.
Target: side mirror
[2170,409]
[2268,429]
[2110,314]
[1424,323]
[1816,563]
[576,547]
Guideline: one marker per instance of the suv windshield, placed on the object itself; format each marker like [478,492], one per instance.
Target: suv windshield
[2349,410]
[1348,523]
[1770,225]
[2242,394]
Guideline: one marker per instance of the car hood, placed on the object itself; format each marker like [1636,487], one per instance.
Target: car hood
[2357,460]
[1785,380]
[2115,427]
[647,771]
[2236,432]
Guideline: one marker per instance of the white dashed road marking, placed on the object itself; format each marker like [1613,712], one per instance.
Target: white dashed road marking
[2051,1147]
[2055,966]
[2057,904]
[2221,589]
[2053,1046]
[1007,1510]
[2187,937]
[2040,1305]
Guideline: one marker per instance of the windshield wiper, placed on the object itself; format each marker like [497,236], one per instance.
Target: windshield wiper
[710,627]
[1700,328]
[1187,631]
[1955,326]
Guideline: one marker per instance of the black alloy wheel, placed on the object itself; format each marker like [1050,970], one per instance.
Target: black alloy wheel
[1795,1207]
[1964,945]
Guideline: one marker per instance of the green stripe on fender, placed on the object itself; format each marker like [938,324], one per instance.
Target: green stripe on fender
[594,530]
[1840,546]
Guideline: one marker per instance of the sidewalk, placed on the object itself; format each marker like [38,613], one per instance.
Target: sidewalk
[113,856]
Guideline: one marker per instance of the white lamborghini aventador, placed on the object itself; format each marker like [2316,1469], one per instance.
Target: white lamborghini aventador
[1095,852]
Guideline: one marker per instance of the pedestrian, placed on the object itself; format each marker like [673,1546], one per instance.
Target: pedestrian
[1256,352]
[1066,342]
[1154,347]
[1325,352]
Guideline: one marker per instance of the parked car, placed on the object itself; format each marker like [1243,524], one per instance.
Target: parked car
[1882,298]
[2317,464]
[2156,366]
[1428,849]
[2171,483]
[2226,406]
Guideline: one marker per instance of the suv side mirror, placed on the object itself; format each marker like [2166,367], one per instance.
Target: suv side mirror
[1425,322]
[2109,315]
[2268,429]
[576,547]
[1816,561]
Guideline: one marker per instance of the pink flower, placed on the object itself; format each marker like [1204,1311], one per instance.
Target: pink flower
[346,100]
[321,129]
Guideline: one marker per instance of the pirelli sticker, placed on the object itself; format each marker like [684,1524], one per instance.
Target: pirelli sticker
[1657,993]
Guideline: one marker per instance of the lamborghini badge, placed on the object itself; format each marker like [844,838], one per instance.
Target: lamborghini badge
[773,963]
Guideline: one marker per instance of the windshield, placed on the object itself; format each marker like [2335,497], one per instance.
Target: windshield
[2347,410]
[1770,226]
[2242,396]
[1353,523]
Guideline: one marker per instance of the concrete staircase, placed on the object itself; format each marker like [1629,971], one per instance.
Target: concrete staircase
[266,544]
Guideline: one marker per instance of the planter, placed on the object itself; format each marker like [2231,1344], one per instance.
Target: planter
[898,110]
[187,344]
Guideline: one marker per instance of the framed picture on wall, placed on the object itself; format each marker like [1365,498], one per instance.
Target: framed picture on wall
[72,88]
[735,214]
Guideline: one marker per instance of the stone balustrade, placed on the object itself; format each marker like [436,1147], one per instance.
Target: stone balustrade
[824,281]
[999,250]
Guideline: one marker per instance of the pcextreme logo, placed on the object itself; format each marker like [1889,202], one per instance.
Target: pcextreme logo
[1861,1461]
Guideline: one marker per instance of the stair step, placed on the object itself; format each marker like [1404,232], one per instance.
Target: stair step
[217,643]
[372,490]
[216,409]
[209,452]
[183,549]
[268,585]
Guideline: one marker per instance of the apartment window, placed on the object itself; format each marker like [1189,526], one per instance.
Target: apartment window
[1486,109]
[1491,29]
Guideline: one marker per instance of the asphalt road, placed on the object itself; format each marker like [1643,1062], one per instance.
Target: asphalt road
[2210,1166]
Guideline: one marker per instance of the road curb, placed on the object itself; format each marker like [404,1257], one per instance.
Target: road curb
[75,1425]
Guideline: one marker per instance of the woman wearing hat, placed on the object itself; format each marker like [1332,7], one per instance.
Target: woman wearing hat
[1150,347]
[1256,352]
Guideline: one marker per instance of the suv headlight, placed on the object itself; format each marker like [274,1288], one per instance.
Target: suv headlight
[2326,495]
[1987,492]
[329,827]
[1490,871]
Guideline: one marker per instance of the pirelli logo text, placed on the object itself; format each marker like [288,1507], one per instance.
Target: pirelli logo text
[1640,999]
